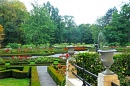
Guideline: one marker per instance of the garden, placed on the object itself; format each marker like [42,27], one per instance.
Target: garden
[30,38]
[14,61]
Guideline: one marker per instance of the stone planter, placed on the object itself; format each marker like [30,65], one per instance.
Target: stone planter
[107,60]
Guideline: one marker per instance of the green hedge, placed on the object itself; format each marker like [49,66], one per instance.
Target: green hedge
[58,78]
[14,72]
[92,63]
[34,77]
[5,74]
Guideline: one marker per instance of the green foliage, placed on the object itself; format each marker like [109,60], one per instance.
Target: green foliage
[34,77]
[15,72]
[1,61]
[13,45]
[85,33]
[38,26]
[92,63]
[12,14]
[58,78]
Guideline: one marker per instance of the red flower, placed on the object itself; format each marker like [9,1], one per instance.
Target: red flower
[26,57]
[67,55]
[20,57]
[12,57]
[7,50]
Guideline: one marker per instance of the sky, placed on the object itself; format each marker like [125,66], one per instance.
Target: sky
[84,11]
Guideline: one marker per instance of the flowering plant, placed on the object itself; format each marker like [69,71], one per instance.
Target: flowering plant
[64,55]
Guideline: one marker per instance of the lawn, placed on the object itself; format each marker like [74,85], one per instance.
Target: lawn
[14,82]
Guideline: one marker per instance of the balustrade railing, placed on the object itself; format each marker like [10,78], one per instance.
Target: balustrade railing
[113,84]
[84,71]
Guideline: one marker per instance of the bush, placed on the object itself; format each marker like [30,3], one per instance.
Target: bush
[92,63]
[15,72]
[34,77]
[58,78]
[19,74]
[13,45]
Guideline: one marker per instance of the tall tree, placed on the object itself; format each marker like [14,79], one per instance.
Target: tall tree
[86,35]
[69,26]
[12,15]
[58,20]
[95,30]
[106,19]
[125,16]
[39,28]
[116,31]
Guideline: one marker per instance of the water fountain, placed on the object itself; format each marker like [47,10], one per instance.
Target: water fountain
[106,55]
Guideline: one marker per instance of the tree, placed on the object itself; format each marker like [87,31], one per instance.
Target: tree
[58,20]
[116,31]
[69,26]
[39,28]
[86,35]
[106,19]
[95,30]
[12,15]
[125,16]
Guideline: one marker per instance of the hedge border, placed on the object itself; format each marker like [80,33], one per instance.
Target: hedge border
[15,73]
[34,77]
[58,78]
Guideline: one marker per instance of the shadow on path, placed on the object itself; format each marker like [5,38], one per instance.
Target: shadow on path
[44,77]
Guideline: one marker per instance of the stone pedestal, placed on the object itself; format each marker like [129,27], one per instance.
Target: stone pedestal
[71,69]
[105,80]
[69,76]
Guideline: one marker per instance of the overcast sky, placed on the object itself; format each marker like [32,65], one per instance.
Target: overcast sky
[84,11]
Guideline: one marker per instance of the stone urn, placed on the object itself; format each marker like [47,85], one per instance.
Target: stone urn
[107,60]
[70,50]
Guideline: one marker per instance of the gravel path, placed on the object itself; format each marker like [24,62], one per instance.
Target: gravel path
[45,79]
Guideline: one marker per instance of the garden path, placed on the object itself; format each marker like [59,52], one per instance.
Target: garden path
[45,79]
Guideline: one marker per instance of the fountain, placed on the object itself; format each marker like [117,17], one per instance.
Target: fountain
[106,55]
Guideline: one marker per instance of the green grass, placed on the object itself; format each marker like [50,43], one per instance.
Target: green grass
[14,82]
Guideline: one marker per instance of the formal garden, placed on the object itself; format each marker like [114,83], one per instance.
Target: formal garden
[30,38]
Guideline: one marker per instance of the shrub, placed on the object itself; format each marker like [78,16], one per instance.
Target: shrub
[19,74]
[58,78]
[15,72]
[1,61]
[34,77]
[92,63]
[13,45]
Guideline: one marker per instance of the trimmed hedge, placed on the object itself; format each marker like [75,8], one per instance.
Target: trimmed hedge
[58,78]
[15,73]
[34,77]
[5,74]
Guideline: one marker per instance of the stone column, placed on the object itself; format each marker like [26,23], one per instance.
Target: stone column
[69,74]
[105,80]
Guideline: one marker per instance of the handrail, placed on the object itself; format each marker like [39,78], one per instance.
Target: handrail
[81,79]
[113,84]
[91,74]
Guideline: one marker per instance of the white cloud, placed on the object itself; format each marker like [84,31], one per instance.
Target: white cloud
[84,11]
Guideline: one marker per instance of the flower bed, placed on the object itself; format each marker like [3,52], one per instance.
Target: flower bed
[77,48]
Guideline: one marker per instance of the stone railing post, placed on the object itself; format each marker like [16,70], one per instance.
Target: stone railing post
[106,80]
[70,69]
